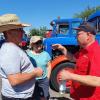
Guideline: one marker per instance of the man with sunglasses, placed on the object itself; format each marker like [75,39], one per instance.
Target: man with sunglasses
[17,72]
[40,59]
[87,63]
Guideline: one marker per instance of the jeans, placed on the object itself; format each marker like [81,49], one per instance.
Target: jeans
[6,98]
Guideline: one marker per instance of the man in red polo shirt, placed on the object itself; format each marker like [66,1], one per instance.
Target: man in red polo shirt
[87,62]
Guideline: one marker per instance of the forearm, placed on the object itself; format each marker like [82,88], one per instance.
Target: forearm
[88,80]
[49,70]
[64,51]
[20,78]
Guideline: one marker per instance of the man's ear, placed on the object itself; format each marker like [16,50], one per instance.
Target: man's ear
[88,33]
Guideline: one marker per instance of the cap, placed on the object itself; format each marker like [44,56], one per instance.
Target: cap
[87,27]
[35,39]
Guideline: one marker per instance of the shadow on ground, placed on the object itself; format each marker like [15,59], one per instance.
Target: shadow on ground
[59,98]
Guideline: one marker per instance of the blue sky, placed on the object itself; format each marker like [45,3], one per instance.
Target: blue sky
[41,12]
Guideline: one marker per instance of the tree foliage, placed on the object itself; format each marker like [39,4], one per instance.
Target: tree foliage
[38,31]
[88,11]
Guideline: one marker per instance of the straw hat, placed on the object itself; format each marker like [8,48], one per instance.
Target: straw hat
[35,39]
[10,21]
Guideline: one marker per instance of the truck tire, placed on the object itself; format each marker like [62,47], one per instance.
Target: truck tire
[54,82]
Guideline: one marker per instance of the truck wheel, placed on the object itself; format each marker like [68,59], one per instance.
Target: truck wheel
[54,82]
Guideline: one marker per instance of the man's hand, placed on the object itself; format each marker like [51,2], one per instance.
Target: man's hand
[57,46]
[65,75]
[60,47]
[38,72]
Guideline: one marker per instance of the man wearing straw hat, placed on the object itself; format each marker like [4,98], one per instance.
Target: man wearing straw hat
[17,72]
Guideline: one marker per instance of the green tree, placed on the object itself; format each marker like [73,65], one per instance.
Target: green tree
[88,11]
[34,31]
[40,31]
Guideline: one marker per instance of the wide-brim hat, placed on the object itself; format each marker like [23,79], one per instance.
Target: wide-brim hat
[10,21]
[35,39]
[87,27]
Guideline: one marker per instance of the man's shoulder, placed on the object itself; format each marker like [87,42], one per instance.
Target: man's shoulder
[9,45]
[9,48]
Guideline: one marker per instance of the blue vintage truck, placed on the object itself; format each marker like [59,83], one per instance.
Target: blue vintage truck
[63,33]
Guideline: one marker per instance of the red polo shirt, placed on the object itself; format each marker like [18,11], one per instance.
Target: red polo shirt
[87,63]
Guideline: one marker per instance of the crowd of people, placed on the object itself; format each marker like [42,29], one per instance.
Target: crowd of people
[25,74]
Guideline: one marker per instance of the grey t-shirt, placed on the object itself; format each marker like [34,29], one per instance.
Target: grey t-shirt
[14,60]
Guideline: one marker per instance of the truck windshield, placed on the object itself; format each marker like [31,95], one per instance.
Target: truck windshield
[75,25]
[63,28]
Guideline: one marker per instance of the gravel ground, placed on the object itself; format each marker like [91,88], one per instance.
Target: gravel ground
[56,96]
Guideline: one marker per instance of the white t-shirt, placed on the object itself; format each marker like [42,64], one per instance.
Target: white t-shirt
[14,60]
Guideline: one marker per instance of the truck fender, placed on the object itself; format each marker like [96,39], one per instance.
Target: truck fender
[58,60]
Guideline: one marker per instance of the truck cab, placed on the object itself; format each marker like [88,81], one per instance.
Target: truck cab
[62,33]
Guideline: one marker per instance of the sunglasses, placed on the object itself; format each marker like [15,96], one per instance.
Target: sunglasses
[40,42]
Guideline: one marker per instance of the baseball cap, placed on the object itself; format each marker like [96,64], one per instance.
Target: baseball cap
[35,39]
[87,27]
